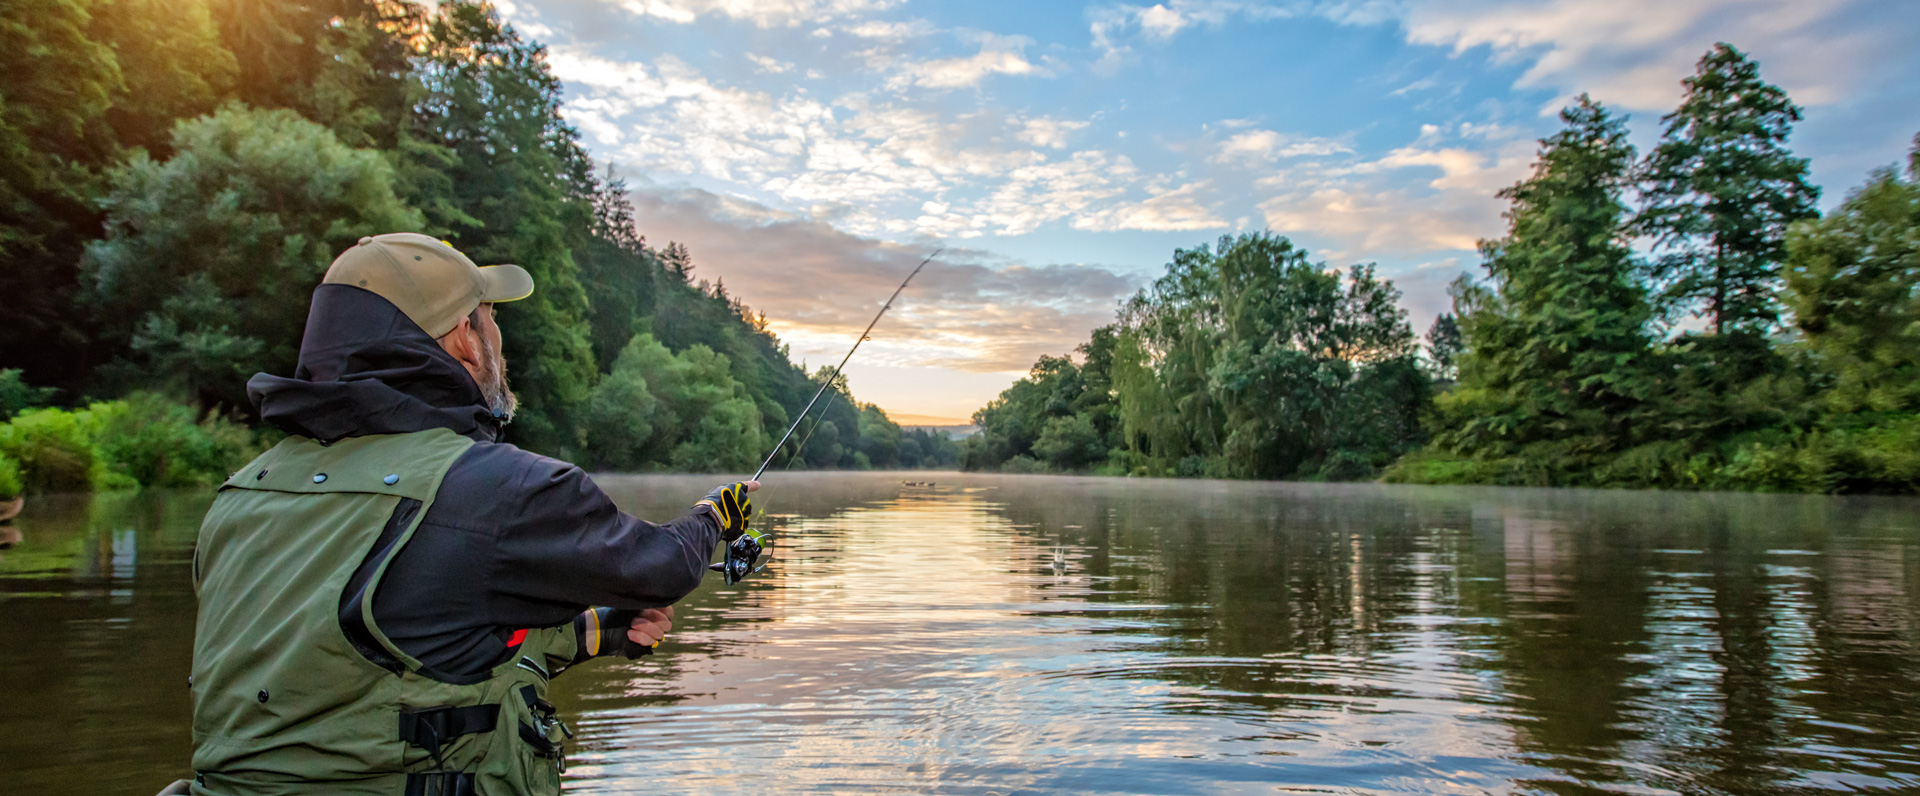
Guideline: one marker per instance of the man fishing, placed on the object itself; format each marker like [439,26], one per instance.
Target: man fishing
[385,595]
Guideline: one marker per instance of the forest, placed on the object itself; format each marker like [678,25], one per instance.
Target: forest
[1686,319]
[176,175]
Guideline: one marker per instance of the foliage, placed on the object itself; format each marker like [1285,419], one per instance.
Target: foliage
[1444,346]
[158,442]
[1721,189]
[86,81]
[10,483]
[1249,361]
[17,396]
[1850,281]
[210,256]
[685,411]
[55,449]
[144,440]
[1558,353]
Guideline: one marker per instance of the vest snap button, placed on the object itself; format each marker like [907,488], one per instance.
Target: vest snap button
[321,478]
[391,479]
[263,696]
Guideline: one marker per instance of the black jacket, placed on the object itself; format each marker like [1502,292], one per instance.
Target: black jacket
[513,540]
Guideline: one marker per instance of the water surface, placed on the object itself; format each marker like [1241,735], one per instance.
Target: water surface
[1001,634]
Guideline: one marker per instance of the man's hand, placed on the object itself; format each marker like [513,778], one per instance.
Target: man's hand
[650,626]
[627,633]
[731,507]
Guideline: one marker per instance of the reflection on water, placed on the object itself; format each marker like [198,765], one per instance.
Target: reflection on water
[1030,634]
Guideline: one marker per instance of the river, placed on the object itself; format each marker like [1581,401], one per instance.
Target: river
[1033,634]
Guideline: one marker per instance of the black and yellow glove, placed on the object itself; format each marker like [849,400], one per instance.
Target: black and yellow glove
[732,508]
[603,631]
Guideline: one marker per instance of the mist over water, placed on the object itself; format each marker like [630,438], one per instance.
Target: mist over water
[1004,634]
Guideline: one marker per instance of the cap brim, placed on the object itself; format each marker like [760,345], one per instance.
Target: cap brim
[505,283]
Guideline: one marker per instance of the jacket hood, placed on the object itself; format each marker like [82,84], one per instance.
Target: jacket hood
[366,368]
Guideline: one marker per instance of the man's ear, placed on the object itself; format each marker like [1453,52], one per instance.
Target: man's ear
[464,344]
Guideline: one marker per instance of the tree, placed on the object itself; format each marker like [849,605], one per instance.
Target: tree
[1260,352]
[517,172]
[54,137]
[1721,190]
[211,256]
[657,408]
[1557,339]
[1851,280]
[1444,346]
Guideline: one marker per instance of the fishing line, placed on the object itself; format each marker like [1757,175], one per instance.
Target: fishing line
[802,447]
[843,363]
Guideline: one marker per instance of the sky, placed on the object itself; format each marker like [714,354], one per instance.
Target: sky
[810,152]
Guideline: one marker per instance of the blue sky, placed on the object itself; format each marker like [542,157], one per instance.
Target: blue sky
[809,152]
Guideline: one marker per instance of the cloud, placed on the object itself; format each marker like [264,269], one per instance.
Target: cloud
[870,163]
[1633,53]
[890,31]
[1045,132]
[1169,210]
[998,55]
[769,64]
[1267,145]
[819,286]
[761,13]
[1370,209]
[1159,22]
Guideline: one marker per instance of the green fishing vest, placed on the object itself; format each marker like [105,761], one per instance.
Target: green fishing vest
[289,698]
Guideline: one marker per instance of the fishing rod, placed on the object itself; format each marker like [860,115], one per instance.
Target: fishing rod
[743,552]
[843,363]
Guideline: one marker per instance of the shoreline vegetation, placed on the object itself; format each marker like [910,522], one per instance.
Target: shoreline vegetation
[1684,320]
[179,174]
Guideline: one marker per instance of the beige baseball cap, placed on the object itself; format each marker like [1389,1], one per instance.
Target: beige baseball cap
[428,279]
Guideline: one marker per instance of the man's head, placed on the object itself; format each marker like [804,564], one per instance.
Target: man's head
[475,341]
[446,295]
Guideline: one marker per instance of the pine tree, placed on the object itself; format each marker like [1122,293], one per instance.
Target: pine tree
[1558,334]
[1720,191]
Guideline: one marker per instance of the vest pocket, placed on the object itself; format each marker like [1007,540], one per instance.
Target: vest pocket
[526,753]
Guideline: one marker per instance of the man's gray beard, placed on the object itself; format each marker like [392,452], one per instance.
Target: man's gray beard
[493,382]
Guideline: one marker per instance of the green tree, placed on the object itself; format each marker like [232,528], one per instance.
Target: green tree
[1851,280]
[879,437]
[1557,339]
[660,409]
[1261,351]
[346,64]
[1444,346]
[54,137]
[517,171]
[1721,190]
[211,256]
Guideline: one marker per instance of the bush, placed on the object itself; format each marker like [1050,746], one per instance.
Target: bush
[1023,465]
[144,440]
[1433,466]
[55,450]
[157,442]
[17,397]
[10,486]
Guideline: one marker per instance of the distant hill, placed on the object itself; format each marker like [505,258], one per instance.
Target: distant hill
[952,432]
